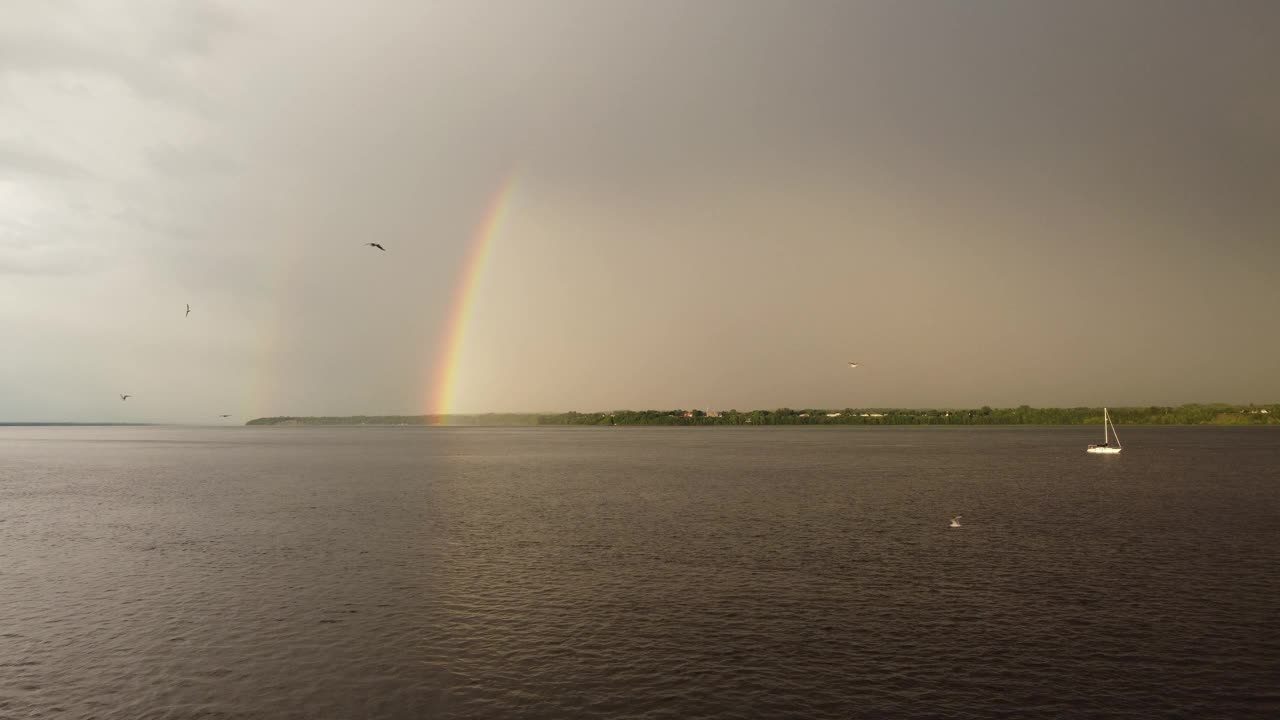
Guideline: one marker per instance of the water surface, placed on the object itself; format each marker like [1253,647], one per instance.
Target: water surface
[638,572]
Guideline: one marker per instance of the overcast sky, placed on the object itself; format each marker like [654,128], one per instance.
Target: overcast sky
[714,204]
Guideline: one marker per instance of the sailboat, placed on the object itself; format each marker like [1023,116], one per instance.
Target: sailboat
[1106,448]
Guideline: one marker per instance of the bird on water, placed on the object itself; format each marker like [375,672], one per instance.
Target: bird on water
[955,521]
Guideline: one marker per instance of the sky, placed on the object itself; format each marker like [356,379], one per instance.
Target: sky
[695,205]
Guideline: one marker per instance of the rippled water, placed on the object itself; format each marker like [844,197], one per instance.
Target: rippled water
[656,573]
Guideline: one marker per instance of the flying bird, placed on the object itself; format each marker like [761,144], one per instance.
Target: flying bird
[853,364]
[125,397]
[224,416]
[377,246]
[188,309]
[955,521]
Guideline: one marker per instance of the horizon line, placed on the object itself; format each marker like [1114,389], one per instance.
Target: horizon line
[785,407]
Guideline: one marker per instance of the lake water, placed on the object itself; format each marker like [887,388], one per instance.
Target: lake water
[638,573]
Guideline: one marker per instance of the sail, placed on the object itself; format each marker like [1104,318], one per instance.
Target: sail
[1108,430]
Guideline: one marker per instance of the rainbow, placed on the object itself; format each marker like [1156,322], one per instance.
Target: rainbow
[443,386]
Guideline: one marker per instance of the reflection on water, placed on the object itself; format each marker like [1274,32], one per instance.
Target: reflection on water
[610,572]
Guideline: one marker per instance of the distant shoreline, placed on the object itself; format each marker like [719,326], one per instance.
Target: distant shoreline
[76,424]
[1184,415]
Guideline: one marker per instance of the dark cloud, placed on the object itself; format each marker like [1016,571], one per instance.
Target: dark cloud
[22,252]
[196,28]
[143,60]
[721,201]
[43,266]
[189,161]
[19,161]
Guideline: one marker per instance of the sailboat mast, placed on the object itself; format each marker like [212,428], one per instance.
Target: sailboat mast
[1106,439]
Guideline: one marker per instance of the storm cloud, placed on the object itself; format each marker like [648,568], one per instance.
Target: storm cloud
[713,204]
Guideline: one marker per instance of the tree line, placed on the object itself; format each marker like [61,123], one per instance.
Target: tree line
[1210,414]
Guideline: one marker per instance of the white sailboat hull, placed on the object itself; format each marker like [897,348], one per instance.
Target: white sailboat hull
[1108,429]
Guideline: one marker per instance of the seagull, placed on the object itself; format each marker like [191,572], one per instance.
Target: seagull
[224,415]
[125,397]
[188,309]
[853,364]
[377,246]
[955,521]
